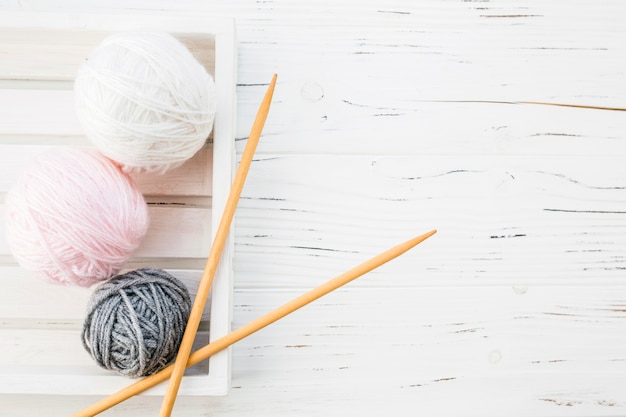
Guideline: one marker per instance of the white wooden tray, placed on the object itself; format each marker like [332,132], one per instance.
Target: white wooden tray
[40,323]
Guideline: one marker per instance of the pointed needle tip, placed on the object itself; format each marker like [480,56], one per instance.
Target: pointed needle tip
[428,234]
[419,239]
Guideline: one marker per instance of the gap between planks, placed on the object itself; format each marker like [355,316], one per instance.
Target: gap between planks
[58,324]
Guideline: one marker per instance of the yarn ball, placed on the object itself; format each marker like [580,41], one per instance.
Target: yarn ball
[74,217]
[135,322]
[145,101]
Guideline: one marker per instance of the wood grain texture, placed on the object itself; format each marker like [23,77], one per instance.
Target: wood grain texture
[394,117]
[502,220]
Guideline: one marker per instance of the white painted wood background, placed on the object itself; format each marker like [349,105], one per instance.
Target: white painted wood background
[393,118]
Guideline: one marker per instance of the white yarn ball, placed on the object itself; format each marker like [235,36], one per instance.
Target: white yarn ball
[145,101]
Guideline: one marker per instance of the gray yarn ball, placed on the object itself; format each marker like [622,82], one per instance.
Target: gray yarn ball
[135,322]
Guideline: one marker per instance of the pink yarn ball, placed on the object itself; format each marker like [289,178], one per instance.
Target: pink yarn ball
[74,217]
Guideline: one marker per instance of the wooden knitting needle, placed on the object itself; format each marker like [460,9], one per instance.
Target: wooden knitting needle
[254,326]
[214,255]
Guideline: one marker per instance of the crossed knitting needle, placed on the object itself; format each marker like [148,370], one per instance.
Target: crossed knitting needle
[185,358]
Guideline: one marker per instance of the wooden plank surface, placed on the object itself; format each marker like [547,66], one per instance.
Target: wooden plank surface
[188,180]
[495,349]
[38,55]
[502,125]
[174,232]
[70,302]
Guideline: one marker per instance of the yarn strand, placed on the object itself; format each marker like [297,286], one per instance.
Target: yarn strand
[135,322]
[73,217]
[145,101]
